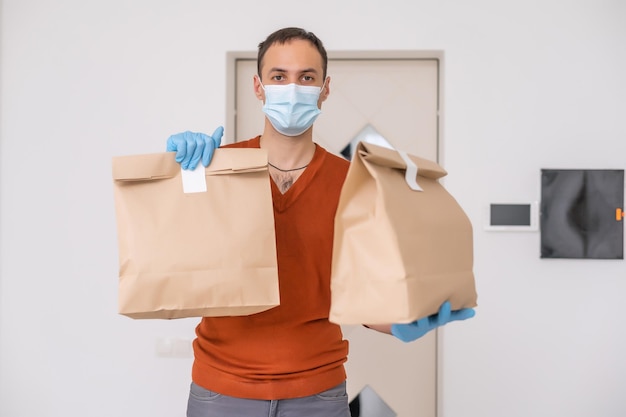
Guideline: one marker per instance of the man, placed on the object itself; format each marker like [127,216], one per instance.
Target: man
[286,361]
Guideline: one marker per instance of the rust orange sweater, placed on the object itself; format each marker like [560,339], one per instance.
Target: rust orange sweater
[291,350]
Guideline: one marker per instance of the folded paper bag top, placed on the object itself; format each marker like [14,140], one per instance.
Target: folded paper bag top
[195,254]
[390,158]
[398,253]
[164,165]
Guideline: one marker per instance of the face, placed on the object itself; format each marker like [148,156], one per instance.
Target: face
[297,62]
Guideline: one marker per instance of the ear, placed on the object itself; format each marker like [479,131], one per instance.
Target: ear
[258,89]
[325,90]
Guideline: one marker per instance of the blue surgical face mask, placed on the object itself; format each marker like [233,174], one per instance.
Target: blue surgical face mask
[291,108]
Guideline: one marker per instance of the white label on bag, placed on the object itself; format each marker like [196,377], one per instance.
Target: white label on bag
[194,181]
[411,172]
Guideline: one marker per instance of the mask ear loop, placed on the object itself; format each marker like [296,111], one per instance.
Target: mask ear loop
[260,82]
[323,85]
[262,86]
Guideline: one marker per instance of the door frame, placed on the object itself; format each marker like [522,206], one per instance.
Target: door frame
[231,81]
[232,57]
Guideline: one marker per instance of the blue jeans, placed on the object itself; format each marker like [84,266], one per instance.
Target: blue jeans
[330,403]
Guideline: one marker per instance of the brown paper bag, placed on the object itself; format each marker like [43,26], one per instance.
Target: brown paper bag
[398,253]
[195,254]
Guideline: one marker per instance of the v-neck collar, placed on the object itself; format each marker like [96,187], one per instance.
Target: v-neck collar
[283,201]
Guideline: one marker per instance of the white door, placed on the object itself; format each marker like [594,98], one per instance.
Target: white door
[397,97]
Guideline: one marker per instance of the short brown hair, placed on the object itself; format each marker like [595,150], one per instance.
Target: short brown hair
[284,35]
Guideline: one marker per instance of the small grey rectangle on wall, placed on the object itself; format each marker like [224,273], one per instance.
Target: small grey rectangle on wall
[509,215]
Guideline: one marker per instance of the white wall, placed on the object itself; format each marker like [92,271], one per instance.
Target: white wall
[528,85]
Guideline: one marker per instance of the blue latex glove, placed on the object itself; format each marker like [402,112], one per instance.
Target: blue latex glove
[190,147]
[412,331]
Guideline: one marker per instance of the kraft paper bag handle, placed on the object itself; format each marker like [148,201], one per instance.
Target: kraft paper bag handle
[410,174]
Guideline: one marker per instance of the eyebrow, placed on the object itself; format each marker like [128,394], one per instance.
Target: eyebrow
[277,69]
